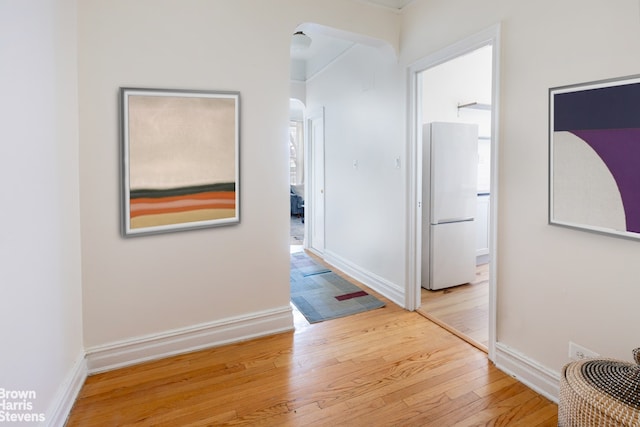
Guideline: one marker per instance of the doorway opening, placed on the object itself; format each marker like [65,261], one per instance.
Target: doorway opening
[458,85]
[319,55]
[296,173]
[345,85]
[306,180]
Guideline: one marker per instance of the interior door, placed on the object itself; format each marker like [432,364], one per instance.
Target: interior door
[315,195]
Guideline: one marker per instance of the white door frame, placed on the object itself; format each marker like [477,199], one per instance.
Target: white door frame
[490,36]
[314,187]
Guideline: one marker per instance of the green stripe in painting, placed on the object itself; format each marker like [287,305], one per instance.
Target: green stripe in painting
[182,191]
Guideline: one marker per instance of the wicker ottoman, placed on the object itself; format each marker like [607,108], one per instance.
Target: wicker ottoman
[600,392]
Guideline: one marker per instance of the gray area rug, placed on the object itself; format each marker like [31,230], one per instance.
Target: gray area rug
[297,231]
[321,294]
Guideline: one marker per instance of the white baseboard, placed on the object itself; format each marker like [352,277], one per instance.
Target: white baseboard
[384,287]
[529,372]
[67,393]
[156,346]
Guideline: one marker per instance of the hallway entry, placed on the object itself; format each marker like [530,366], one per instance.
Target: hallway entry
[458,85]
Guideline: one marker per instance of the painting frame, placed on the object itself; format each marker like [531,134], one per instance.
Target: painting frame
[180,159]
[594,152]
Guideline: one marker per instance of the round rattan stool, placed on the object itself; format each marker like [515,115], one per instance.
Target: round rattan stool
[600,392]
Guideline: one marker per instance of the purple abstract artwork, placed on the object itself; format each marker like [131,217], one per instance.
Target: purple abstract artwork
[620,151]
[595,156]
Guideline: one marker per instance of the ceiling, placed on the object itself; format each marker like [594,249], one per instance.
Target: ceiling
[325,47]
[394,4]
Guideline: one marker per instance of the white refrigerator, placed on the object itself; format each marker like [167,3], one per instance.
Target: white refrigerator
[449,197]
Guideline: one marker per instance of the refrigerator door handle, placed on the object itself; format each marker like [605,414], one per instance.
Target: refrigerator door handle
[450,220]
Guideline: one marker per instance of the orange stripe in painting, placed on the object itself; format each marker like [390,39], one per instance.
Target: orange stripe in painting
[178,203]
[197,196]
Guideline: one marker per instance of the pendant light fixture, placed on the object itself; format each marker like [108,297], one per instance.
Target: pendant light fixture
[300,40]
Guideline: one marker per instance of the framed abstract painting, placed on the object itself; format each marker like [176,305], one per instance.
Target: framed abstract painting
[180,159]
[594,156]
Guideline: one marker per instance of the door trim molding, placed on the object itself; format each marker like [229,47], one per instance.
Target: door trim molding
[309,168]
[489,36]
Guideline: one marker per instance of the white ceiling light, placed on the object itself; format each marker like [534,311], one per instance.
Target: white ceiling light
[300,41]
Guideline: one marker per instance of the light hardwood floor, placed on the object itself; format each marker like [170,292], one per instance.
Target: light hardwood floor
[463,310]
[386,367]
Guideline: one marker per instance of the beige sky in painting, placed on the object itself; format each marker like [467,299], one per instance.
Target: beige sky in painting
[179,141]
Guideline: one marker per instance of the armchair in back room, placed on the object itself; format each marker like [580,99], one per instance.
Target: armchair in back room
[297,200]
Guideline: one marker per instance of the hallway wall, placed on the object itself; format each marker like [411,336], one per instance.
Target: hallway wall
[554,284]
[138,287]
[363,95]
[40,262]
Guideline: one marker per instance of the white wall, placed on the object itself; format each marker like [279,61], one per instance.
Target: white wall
[363,97]
[554,284]
[40,238]
[145,285]
[462,80]
[298,90]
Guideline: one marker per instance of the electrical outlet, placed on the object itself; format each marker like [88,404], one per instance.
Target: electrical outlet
[577,352]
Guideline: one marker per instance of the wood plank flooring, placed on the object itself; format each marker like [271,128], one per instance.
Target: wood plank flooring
[464,309]
[386,367]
